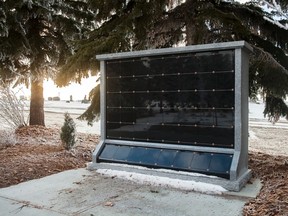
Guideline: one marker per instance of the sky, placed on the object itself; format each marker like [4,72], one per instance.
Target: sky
[77,91]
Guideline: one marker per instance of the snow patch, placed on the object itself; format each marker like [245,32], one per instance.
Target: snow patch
[276,22]
[252,135]
[162,170]
[163,181]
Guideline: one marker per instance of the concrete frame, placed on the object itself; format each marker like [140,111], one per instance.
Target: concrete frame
[239,172]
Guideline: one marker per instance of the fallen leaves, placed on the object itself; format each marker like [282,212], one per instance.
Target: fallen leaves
[273,172]
[31,159]
[109,204]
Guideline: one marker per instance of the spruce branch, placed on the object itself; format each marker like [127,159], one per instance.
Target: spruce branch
[263,56]
[275,6]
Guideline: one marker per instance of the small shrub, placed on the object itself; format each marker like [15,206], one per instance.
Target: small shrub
[11,108]
[7,138]
[68,132]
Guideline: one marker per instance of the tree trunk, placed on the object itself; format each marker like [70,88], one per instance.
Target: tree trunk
[190,32]
[37,103]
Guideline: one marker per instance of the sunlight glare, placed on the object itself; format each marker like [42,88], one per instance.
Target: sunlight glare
[78,91]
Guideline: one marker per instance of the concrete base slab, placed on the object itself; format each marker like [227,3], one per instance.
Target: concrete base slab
[87,193]
[236,185]
[250,190]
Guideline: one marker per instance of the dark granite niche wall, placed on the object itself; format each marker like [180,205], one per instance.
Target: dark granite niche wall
[182,108]
[183,99]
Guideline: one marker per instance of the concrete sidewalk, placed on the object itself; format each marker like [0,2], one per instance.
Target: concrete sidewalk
[87,193]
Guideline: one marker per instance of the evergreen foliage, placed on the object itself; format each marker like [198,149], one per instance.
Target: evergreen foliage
[93,112]
[120,24]
[68,132]
[135,25]
[39,37]
[36,39]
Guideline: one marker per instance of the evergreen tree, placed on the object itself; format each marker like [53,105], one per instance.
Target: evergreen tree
[35,40]
[135,25]
[68,132]
[122,26]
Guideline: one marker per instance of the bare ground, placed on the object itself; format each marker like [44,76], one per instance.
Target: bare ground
[268,159]
[38,152]
[272,141]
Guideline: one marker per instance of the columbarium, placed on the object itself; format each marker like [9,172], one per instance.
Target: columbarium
[183,109]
